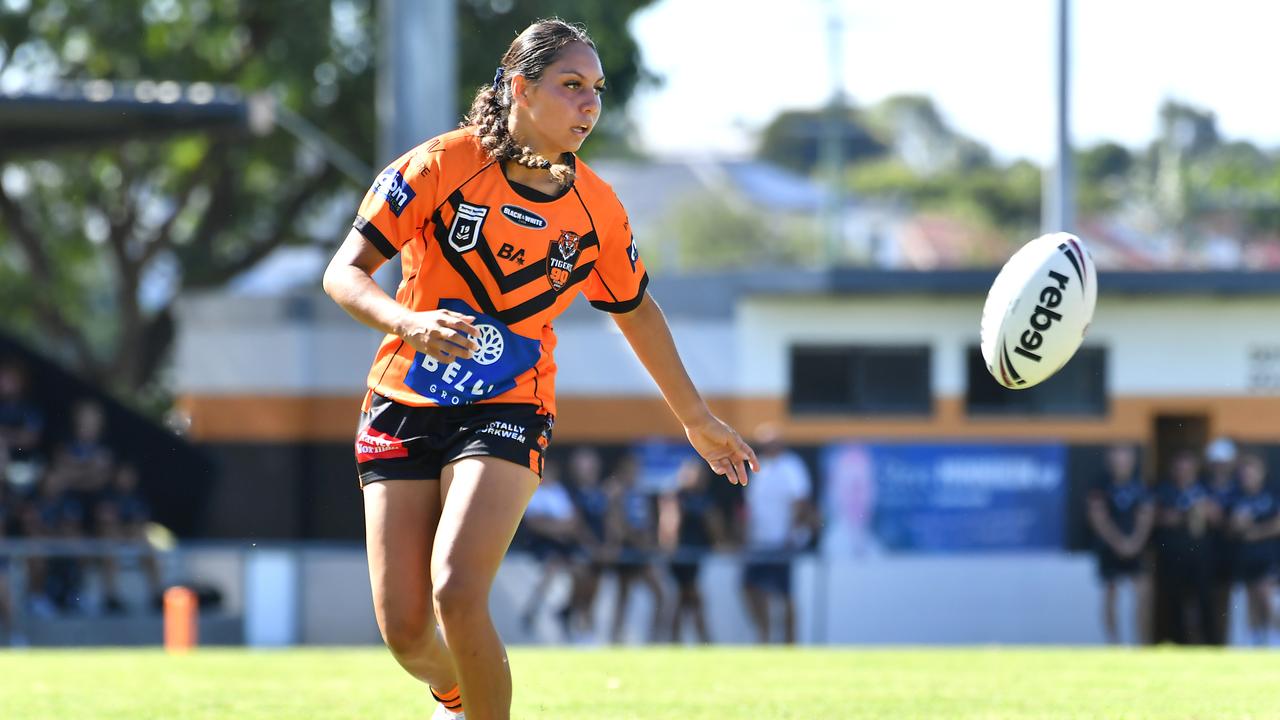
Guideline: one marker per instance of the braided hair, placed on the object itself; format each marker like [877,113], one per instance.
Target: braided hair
[529,55]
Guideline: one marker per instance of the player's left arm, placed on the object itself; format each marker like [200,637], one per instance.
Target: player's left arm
[646,330]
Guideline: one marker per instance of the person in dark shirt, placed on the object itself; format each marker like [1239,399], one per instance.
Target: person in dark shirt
[631,534]
[21,422]
[1220,482]
[1184,511]
[122,513]
[53,513]
[1255,521]
[1121,514]
[689,526]
[584,481]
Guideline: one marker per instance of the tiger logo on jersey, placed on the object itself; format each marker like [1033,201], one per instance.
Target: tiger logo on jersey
[561,257]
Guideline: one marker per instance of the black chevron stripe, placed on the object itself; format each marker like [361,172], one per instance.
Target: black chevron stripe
[525,275]
[1074,263]
[524,310]
[1008,363]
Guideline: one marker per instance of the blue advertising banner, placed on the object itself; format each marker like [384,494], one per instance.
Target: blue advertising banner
[939,498]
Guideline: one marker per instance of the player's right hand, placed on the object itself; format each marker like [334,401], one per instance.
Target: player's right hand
[444,335]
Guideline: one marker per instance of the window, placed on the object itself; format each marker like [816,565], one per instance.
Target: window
[870,379]
[1079,388]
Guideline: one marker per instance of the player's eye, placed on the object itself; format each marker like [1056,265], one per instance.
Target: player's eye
[573,84]
[600,89]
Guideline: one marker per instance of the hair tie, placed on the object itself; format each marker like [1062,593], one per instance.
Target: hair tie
[497,77]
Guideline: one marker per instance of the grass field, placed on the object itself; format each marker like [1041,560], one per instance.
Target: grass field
[715,684]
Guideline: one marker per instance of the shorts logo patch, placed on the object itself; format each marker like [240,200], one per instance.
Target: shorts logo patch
[561,257]
[520,216]
[392,186]
[465,231]
[375,445]
[503,356]
[507,430]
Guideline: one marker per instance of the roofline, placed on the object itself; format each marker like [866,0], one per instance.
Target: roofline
[864,281]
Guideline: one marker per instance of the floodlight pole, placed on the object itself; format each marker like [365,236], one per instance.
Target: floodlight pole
[832,146]
[416,85]
[1059,205]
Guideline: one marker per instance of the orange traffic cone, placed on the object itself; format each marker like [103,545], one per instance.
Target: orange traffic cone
[181,611]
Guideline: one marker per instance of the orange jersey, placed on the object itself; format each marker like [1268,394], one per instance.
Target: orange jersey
[471,241]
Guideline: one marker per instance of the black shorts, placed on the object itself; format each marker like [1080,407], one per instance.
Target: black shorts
[773,577]
[402,442]
[1254,562]
[1113,567]
[686,573]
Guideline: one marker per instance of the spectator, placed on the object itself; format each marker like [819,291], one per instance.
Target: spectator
[586,486]
[689,525]
[1220,481]
[631,537]
[1121,514]
[1184,510]
[122,514]
[6,612]
[1254,521]
[53,582]
[85,464]
[555,532]
[779,522]
[21,421]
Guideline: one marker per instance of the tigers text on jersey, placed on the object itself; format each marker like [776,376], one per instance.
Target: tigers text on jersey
[471,241]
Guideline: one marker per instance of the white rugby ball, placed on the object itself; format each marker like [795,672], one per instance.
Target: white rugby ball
[1038,310]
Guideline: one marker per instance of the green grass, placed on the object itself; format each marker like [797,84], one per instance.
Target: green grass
[716,684]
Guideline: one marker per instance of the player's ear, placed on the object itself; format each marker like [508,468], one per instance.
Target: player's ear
[520,86]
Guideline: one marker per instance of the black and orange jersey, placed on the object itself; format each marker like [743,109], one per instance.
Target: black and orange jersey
[471,241]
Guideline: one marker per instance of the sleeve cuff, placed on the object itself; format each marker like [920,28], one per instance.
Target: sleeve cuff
[624,306]
[375,236]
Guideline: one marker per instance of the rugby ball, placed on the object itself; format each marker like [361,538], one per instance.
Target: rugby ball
[1038,310]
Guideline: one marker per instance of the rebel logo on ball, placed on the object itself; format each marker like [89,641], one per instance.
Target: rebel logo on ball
[1043,317]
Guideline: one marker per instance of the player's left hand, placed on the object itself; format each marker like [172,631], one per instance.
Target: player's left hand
[723,449]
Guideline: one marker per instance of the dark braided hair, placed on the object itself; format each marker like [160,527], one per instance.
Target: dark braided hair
[529,55]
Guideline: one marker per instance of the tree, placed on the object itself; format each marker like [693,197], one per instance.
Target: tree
[794,139]
[96,243]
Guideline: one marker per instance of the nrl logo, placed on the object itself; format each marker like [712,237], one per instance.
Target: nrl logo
[560,268]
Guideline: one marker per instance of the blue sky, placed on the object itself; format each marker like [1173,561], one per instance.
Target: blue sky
[730,65]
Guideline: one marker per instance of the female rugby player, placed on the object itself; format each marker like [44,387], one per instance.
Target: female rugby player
[498,227]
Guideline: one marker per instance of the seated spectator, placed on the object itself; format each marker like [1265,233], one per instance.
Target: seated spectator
[85,464]
[21,421]
[122,514]
[53,513]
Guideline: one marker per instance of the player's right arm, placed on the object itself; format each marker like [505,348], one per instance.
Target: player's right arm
[441,334]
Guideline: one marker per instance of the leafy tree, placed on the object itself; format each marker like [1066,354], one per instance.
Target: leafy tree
[794,139]
[95,243]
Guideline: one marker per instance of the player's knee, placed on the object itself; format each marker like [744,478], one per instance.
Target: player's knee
[408,633]
[459,598]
